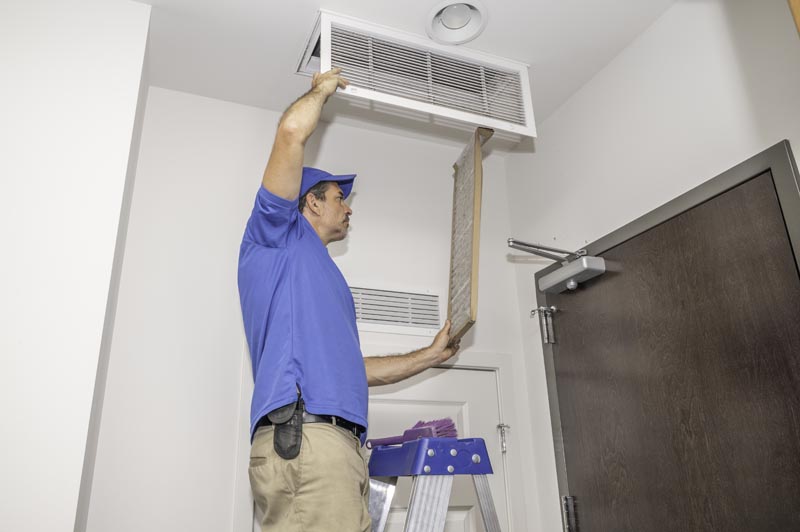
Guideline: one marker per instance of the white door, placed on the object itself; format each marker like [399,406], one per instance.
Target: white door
[470,398]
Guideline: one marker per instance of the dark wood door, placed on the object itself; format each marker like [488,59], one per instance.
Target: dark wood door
[678,374]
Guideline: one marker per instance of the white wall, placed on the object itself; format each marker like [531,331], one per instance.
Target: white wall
[170,437]
[708,85]
[71,74]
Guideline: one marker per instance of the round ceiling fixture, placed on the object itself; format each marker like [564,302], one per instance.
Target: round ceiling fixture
[452,22]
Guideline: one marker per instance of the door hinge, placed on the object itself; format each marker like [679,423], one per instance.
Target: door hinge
[546,323]
[568,514]
[503,444]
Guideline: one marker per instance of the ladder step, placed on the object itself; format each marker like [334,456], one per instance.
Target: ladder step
[431,456]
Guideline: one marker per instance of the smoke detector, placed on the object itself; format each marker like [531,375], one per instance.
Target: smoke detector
[456,22]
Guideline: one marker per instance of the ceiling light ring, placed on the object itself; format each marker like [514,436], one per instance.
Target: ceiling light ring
[439,32]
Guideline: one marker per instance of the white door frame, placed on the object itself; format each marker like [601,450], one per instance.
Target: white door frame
[513,412]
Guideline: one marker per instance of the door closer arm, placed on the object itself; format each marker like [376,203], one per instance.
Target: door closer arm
[576,266]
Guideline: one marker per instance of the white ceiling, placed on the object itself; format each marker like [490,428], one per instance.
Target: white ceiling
[246,51]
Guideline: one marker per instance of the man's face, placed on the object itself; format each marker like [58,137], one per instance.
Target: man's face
[335,214]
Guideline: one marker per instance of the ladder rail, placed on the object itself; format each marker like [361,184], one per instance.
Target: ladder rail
[381,493]
[430,497]
[488,511]
[432,463]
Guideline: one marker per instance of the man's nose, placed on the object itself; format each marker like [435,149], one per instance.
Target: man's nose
[347,209]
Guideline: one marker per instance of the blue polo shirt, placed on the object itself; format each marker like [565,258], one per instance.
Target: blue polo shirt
[299,317]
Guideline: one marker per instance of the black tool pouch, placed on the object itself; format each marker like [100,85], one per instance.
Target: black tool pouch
[288,435]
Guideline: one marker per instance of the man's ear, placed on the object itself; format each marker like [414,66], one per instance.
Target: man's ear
[312,203]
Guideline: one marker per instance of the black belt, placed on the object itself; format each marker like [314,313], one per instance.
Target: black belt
[349,426]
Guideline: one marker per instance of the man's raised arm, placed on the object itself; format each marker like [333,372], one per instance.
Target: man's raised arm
[285,167]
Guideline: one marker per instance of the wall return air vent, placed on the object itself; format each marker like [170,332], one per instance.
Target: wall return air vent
[396,312]
[410,72]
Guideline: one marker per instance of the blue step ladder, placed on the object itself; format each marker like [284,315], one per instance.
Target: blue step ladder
[432,463]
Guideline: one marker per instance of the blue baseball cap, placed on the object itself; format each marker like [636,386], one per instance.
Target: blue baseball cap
[312,176]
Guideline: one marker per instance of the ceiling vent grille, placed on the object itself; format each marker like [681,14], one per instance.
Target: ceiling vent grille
[396,309]
[410,72]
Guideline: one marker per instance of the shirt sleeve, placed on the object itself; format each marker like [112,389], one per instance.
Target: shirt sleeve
[271,219]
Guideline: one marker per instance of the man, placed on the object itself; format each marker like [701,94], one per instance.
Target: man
[309,411]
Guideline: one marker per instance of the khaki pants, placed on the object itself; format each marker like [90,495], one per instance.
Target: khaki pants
[325,488]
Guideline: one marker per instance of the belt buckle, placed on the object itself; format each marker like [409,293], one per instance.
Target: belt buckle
[353,430]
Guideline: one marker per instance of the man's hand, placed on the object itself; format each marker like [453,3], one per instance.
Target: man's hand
[442,348]
[283,174]
[394,368]
[327,82]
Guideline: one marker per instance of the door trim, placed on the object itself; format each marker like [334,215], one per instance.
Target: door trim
[778,159]
[504,369]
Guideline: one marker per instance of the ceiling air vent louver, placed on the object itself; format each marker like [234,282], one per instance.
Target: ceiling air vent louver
[410,72]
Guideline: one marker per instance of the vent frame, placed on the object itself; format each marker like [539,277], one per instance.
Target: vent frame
[321,37]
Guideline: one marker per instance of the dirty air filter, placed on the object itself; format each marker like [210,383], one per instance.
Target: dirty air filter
[410,72]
